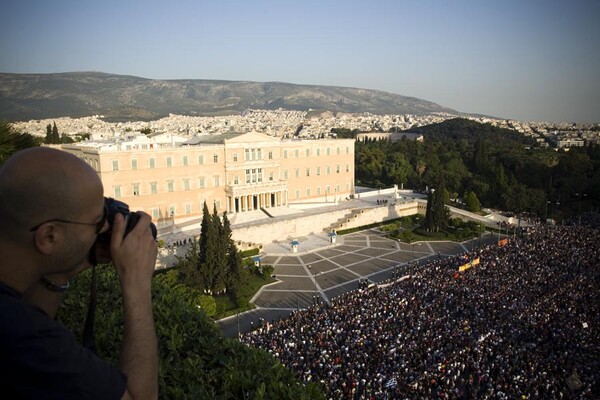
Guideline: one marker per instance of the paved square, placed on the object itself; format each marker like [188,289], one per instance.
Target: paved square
[335,278]
[371,266]
[310,258]
[289,270]
[349,258]
[290,283]
[289,260]
[330,253]
[350,248]
[322,266]
[384,244]
[371,252]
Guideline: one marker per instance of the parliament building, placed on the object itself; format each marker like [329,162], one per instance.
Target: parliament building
[170,178]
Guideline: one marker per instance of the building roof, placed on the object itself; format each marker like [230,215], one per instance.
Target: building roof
[212,139]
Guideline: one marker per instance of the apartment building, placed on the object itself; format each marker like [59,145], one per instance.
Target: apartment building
[235,172]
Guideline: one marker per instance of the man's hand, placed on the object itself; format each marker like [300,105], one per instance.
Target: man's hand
[134,258]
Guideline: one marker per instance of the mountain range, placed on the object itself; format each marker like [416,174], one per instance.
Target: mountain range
[122,97]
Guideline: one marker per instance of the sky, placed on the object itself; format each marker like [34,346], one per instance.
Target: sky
[527,60]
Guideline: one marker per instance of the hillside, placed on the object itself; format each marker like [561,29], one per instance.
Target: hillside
[121,98]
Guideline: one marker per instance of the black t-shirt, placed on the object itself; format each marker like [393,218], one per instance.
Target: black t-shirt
[40,358]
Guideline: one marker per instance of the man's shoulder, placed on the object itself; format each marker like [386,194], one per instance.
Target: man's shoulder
[20,319]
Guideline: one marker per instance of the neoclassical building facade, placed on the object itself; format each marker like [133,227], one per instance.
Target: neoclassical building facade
[172,179]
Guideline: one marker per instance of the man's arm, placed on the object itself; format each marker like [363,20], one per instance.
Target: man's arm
[134,258]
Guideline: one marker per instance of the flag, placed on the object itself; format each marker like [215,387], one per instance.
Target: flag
[392,383]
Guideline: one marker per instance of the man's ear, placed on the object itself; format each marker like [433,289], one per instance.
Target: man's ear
[48,238]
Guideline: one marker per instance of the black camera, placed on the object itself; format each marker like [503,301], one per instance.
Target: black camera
[114,207]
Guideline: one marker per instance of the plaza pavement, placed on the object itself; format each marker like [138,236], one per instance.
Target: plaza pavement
[321,271]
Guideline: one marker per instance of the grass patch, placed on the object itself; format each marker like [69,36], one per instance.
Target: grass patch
[226,305]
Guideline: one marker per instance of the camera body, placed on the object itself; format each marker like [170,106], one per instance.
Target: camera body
[114,207]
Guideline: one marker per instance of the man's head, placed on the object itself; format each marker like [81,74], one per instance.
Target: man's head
[51,205]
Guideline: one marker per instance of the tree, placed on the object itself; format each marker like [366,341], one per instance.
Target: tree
[472,202]
[55,135]
[12,141]
[48,139]
[219,266]
[234,258]
[196,360]
[437,214]
[208,251]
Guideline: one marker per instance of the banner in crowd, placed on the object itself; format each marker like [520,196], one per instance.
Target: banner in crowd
[502,242]
[468,265]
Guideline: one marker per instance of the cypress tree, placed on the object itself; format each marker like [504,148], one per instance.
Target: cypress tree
[55,135]
[220,253]
[208,249]
[48,138]
[234,258]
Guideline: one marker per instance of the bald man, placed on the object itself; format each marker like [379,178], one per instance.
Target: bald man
[51,211]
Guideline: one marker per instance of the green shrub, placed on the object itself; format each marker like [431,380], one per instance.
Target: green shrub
[195,360]
[250,253]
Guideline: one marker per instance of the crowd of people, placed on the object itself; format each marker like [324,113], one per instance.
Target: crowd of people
[521,324]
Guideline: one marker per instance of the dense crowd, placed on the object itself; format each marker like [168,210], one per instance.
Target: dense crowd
[522,324]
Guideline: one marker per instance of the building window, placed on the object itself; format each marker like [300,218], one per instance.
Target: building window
[185,161]
[308,192]
[297,194]
[347,149]
[170,186]
[152,162]
[117,192]
[215,158]
[259,154]
[328,170]
[270,155]
[201,182]
[217,178]
[337,149]
[186,184]
[253,151]
[270,176]
[337,188]
[200,159]
[285,174]
[155,214]
[285,154]
[318,152]
[234,157]
[327,189]
[247,154]
[307,152]
[172,211]
[236,180]
[318,171]
[337,169]
[318,190]
[133,164]
[135,187]
[297,172]
[218,204]
[297,153]
[328,151]
[248,176]
[260,174]
[153,188]
[347,167]
[188,208]
[169,161]
[115,165]
[307,171]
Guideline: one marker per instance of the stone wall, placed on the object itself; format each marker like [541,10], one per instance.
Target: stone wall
[298,226]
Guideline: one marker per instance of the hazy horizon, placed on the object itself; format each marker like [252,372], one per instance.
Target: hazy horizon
[530,61]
